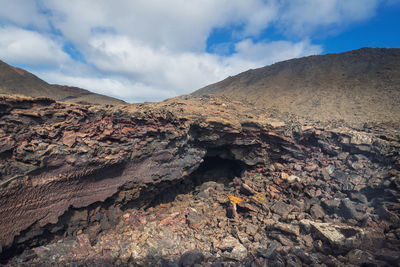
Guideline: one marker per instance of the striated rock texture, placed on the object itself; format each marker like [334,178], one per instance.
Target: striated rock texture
[217,179]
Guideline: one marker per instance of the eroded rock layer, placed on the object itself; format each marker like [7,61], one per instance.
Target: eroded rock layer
[142,184]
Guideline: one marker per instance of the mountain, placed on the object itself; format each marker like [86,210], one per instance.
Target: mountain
[18,81]
[356,86]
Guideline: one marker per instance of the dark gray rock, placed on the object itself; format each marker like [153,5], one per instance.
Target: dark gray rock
[305,257]
[348,210]
[359,257]
[388,255]
[387,215]
[282,208]
[190,258]
[356,196]
[267,253]
[105,224]
[168,263]
[317,212]
[293,261]
[331,205]
[340,176]
[347,186]
[343,155]
[276,260]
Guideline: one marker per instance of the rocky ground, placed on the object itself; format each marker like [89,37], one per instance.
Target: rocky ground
[194,181]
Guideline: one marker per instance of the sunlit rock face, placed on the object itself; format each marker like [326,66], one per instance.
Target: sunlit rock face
[193,180]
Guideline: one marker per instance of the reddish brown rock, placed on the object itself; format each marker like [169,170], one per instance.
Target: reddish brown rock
[69,138]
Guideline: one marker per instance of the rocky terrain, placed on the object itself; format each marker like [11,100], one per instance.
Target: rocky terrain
[16,81]
[355,87]
[194,180]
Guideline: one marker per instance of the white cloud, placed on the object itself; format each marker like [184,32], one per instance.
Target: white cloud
[119,88]
[19,46]
[22,13]
[265,53]
[175,24]
[305,17]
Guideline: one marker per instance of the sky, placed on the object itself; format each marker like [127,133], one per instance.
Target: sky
[150,50]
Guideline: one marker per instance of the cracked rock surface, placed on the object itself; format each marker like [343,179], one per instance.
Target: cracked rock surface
[193,181]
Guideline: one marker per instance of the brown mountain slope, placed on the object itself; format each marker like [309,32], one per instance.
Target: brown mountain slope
[18,81]
[356,86]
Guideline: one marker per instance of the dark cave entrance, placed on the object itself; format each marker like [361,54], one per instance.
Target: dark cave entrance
[217,166]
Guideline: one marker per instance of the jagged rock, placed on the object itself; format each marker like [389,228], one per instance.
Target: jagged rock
[345,237]
[331,205]
[195,219]
[268,252]
[359,257]
[282,208]
[232,248]
[191,258]
[287,228]
[385,214]
[69,138]
[388,255]
[356,196]
[311,167]
[317,212]
[348,210]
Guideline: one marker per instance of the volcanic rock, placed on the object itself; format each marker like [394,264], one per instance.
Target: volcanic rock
[191,258]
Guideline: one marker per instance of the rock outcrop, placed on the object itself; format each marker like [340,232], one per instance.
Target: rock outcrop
[217,179]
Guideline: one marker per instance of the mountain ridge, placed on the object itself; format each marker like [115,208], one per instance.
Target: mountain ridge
[356,86]
[15,80]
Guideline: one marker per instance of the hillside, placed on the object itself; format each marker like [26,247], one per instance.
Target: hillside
[357,86]
[18,81]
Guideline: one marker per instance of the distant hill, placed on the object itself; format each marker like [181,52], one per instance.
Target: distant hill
[18,81]
[356,86]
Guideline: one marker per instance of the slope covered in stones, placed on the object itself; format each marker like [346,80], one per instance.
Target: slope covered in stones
[193,180]
[356,87]
[20,82]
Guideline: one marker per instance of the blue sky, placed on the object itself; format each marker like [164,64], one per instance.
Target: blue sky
[150,50]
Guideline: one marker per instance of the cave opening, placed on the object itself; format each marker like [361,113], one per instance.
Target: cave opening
[216,167]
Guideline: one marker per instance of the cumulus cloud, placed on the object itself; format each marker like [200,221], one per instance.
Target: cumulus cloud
[272,52]
[116,87]
[176,24]
[22,13]
[305,17]
[21,46]
[150,50]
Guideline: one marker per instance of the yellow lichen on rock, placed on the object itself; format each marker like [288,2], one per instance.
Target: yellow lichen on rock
[234,199]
